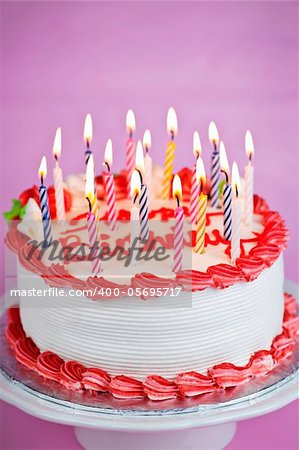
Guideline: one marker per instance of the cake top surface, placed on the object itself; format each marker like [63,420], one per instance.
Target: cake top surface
[260,244]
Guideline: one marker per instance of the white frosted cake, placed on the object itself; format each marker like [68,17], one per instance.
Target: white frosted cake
[214,324]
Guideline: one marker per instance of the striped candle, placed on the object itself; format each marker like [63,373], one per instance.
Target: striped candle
[130,148]
[92,197]
[57,176]
[193,210]
[248,181]
[227,212]
[201,224]
[215,166]
[44,204]
[170,152]
[93,242]
[143,214]
[87,134]
[178,243]
[194,194]
[148,164]
[109,186]
[227,195]
[236,215]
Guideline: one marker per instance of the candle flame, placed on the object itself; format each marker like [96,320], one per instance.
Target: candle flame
[89,179]
[139,159]
[88,129]
[197,150]
[42,171]
[57,143]
[147,139]
[172,122]
[130,121]
[213,133]
[249,147]
[177,187]
[135,183]
[236,183]
[200,173]
[108,157]
[223,159]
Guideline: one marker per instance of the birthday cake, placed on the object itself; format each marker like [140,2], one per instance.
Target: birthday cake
[181,315]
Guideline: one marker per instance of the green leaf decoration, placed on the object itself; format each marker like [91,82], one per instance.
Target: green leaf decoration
[14,211]
[22,211]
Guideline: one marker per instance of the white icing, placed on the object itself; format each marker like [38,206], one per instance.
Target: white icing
[31,224]
[162,336]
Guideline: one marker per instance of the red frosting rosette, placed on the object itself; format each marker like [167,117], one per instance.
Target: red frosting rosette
[126,387]
[96,380]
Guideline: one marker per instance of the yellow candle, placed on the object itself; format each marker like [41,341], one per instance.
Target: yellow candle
[172,128]
[202,209]
[90,191]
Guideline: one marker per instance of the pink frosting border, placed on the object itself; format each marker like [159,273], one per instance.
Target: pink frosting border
[270,243]
[73,375]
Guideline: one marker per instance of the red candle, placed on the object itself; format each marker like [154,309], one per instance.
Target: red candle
[130,148]
[109,186]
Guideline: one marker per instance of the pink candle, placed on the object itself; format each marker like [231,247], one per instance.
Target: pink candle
[178,244]
[109,186]
[130,148]
[194,195]
[93,242]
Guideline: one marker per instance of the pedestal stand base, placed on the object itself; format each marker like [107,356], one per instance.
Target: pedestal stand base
[202,438]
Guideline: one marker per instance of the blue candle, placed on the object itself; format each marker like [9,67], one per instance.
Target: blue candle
[44,204]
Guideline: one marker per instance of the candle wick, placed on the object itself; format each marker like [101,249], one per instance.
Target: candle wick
[215,146]
[42,180]
[89,203]
[108,166]
[250,157]
[146,149]
[135,198]
[178,201]
[172,135]
[130,134]
[226,175]
[237,191]
[87,143]
[56,157]
[140,174]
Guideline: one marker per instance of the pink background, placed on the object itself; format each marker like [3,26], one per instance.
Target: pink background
[232,62]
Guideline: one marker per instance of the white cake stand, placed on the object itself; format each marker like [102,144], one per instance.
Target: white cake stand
[210,429]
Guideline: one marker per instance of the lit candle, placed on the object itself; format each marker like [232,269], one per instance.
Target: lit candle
[172,128]
[109,185]
[148,164]
[134,213]
[92,224]
[249,176]
[44,204]
[91,192]
[87,135]
[57,176]
[202,208]
[215,165]
[143,203]
[227,195]
[178,244]
[194,195]
[236,217]
[130,148]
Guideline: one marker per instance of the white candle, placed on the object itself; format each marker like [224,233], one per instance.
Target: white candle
[58,179]
[148,164]
[236,215]
[248,181]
